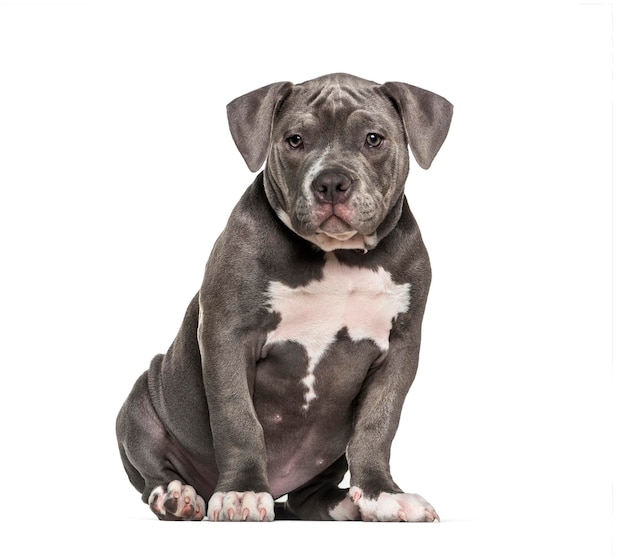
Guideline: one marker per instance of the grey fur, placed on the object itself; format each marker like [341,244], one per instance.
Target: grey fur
[205,413]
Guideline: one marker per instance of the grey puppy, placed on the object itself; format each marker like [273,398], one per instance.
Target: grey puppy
[294,359]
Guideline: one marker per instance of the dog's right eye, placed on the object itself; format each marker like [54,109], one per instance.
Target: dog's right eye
[294,141]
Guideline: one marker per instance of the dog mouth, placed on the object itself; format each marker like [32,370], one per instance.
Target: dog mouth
[336,228]
[334,233]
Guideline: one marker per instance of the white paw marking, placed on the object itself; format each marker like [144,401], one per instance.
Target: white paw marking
[177,502]
[394,507]
[345,510]
[241,506]
[364,301]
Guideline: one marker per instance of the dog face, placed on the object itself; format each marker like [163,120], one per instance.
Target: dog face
[337,152]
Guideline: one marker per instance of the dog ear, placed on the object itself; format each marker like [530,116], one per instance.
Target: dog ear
[426,118]
[250,119]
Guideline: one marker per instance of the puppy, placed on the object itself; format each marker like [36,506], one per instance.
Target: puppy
[293,360]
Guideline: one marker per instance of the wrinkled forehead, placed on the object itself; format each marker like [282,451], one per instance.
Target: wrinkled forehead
[334,99]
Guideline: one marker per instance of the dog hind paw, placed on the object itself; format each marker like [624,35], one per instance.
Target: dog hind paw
[394,507]
[346,509]
[176,501]
[241,506]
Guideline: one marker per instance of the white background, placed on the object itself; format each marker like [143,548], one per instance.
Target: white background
[117,173]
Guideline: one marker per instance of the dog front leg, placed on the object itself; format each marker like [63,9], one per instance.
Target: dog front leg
[242,491]
[376,422]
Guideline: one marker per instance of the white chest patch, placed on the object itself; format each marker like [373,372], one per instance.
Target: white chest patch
[363,301]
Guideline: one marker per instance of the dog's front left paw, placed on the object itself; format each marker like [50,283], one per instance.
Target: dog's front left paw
[394,507]
[240,506]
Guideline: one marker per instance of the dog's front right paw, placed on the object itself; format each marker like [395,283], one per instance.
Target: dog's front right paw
[241,506]
[176,501]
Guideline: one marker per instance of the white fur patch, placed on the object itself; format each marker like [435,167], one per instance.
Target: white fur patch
[315,169]
[241,506]
[362,300]
[393,507]
[345,510]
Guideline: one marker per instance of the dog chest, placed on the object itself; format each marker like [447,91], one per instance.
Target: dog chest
[362,302]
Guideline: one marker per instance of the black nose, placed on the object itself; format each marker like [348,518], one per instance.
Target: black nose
[332,187]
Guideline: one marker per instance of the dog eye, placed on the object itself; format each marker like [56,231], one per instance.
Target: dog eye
[294,141]
[374,139]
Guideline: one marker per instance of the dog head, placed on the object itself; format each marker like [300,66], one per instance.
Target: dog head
[337,152]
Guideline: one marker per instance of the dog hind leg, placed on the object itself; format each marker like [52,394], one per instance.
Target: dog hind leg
[144,445]
[322,499]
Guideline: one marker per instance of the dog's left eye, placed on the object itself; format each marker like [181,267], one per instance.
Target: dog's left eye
[373,139]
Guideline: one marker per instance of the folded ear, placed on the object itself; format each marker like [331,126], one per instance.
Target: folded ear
[250,119]
[426,118]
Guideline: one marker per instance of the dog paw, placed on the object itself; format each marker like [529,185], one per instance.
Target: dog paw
[176,501]
[240,506]
[394,507]
[346,509]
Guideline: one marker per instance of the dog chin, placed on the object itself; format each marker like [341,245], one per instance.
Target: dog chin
[340,236]
[328,242]
[331,241]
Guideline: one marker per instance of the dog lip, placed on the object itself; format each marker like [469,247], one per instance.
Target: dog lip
[336,228]
[342,237]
